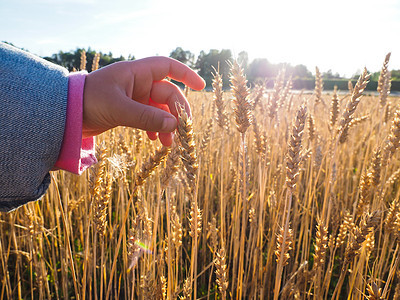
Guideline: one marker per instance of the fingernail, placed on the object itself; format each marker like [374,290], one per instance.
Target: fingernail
[168,124]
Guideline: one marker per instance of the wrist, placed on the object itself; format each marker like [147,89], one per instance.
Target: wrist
[76,154]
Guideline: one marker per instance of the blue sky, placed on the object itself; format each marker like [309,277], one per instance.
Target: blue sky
[342,35]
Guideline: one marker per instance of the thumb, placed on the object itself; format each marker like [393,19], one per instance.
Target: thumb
[134,114]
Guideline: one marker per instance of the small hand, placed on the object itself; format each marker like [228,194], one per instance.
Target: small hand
[136,94]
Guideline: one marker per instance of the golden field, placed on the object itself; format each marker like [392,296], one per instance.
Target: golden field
[266,195]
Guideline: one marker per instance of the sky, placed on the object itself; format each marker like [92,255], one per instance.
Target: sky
[342,35]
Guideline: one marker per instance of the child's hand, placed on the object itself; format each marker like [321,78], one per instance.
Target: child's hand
[136,94]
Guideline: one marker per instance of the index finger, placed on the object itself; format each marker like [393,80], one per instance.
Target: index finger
[161,67]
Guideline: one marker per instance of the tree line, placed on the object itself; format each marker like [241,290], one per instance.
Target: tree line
[206,63]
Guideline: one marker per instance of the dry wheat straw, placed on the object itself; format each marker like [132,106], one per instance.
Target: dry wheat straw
[292,173]
[243,119]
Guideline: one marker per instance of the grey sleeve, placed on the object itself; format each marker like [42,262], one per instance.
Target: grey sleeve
[33,102]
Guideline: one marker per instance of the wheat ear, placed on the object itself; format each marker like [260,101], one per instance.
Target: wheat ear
[83,60]
[393,140]
[384,81]
[243,106]
[222,119]
[334,115]
[319,84]
[352,105]
[153,162]
[95,63]
[371,221]
[293,155]
[187,147]
[221,272]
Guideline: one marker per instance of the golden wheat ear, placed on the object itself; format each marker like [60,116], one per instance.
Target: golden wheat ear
[352,105]
[153,162]
[222,119]
[96,60]
[384,83]
[187,146]
[243,106]
[83,60]
[294,149]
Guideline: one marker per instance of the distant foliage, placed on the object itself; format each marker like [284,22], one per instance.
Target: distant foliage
[72,59]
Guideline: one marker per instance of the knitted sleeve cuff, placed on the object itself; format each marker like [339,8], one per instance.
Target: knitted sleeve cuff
[76,154]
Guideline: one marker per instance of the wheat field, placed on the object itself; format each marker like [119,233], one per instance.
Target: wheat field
[265,195]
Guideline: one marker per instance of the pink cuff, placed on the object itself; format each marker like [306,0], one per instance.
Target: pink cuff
[76,154]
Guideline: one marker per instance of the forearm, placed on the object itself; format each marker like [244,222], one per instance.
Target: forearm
[33,97]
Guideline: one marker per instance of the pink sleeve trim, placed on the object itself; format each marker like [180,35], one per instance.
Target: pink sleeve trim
[76,154]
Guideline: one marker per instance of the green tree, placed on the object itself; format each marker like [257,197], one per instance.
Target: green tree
[217,59]
[183,56]
[301,71]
